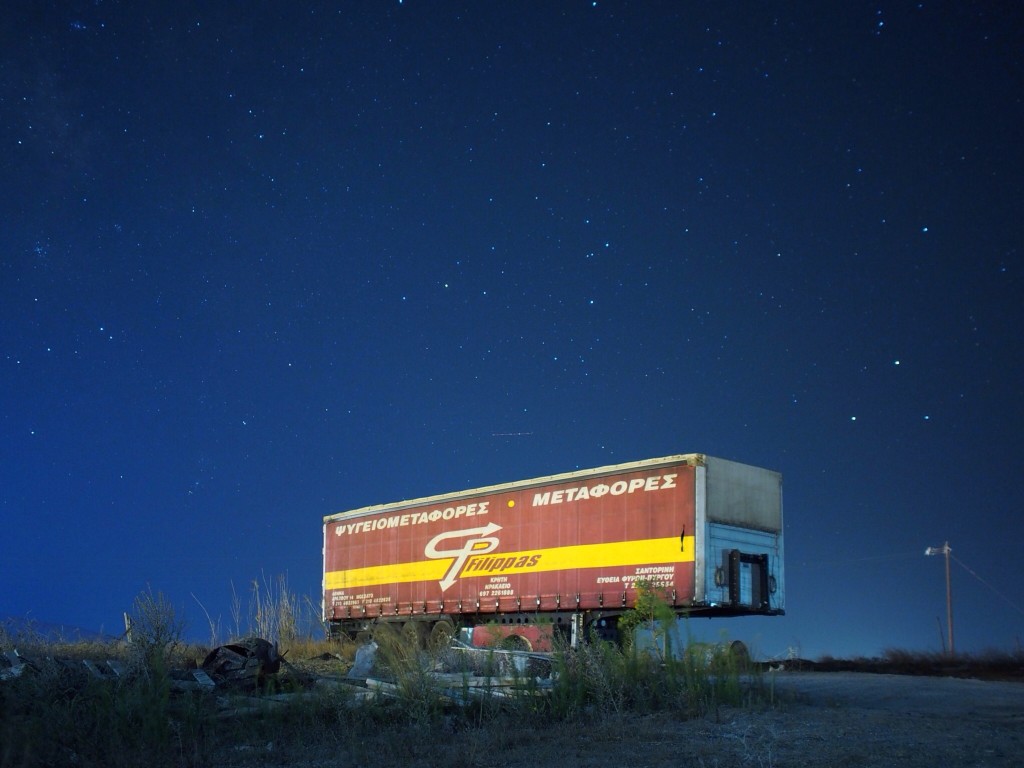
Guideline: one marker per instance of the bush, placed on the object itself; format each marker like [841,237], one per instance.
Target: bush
[600,678]
[153,629]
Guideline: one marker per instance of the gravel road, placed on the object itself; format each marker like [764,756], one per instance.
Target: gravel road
[935,696]
[811,720]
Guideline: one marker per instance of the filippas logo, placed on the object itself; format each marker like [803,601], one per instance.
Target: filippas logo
[475,541]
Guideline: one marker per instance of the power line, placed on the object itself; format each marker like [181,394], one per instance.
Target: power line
[996,591]
[848,560]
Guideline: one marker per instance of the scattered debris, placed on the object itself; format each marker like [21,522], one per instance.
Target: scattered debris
[248,662]
[366,657]
[192,680]
[488,662]
[102,672]
[461,688]
[460,676]
[16,665]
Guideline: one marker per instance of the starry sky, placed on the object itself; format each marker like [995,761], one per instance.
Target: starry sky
[261,262]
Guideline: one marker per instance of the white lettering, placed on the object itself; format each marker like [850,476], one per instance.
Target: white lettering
[596,491]
[410,518]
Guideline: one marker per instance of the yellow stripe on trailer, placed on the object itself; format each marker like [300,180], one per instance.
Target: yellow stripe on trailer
[606,555]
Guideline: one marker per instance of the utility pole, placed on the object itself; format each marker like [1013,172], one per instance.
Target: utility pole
[945,550]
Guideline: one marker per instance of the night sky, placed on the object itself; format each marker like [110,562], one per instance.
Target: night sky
[260,263]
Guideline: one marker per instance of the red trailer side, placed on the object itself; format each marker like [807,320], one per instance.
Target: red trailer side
[573,543]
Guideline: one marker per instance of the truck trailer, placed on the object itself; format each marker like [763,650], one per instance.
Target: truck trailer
[566,553]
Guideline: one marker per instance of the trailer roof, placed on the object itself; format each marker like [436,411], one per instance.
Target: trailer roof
[692,459]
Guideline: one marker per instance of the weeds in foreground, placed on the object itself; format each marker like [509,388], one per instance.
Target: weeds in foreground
[59,714]
[405,663]
[56,713]
[599,678]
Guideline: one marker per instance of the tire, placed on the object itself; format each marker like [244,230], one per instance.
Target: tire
[739,653]
[441,635]
[383,633]
[415,633]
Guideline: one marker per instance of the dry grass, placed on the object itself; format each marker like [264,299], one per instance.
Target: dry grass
[57,714]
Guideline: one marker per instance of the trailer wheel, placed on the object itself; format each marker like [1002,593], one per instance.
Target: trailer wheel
[739,654]
[415,633]
[384,633]
[441,635]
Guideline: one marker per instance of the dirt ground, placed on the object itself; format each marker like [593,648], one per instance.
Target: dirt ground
[823,719]
[810,719]
[857,719]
